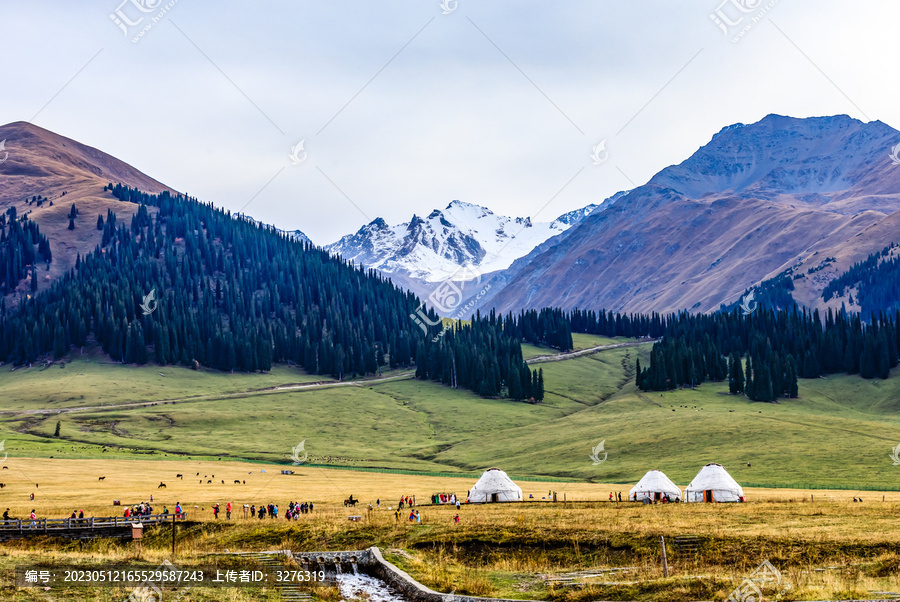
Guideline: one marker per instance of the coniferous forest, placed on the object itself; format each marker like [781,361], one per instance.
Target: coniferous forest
[185,283]
[779,347]
[18,257]
[876,280]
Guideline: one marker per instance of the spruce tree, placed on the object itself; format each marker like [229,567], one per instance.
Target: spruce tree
[732,377]
[739,373]
[637,374]
[515,385]
[793,390]
[867,366]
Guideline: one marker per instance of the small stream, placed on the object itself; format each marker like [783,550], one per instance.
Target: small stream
[358,586]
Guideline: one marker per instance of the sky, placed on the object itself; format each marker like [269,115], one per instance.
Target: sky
[321,116]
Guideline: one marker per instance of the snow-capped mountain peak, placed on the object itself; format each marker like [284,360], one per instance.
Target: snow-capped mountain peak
[462,234]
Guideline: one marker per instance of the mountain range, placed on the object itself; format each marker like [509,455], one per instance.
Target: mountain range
[435,247]
[802,198]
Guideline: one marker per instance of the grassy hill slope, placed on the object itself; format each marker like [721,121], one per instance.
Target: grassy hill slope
[839,433]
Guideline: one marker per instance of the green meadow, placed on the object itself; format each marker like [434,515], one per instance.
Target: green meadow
[839,433]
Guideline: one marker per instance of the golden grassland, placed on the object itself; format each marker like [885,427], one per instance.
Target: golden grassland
[63,485]
[827,546]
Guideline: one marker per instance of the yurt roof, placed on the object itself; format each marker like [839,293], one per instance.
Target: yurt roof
[494,478]
[714,476]
[656,480]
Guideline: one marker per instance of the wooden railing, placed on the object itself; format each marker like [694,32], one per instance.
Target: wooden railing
[49,525]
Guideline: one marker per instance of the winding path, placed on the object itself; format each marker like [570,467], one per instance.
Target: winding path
[540,359]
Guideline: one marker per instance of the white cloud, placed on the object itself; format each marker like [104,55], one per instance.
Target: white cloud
[450,117]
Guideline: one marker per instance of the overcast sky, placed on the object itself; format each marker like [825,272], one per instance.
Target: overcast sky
[402,108]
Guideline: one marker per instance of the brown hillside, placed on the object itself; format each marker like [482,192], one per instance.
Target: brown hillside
[43,163]
[757,200]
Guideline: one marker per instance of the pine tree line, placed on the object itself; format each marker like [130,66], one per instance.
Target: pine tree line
[185,283]
[481,356]
[553,327]
[779,346]
[229,294]
[877,282]
[21,247]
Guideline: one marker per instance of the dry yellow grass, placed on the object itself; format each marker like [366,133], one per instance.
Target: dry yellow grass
[803,536]
[62,485]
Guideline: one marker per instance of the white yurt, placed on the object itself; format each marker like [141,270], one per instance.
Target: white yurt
[654,485]
[495,486]
[713,484]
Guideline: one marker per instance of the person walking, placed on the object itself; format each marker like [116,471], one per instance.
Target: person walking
[216,511]
[178,510]
[33,517]
[253,511]
[228,510]
[456,518]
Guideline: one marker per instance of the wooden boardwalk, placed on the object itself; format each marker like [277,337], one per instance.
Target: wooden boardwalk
[78,528]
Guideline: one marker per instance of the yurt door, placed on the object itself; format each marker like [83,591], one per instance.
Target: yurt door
[495,497]
[707,495]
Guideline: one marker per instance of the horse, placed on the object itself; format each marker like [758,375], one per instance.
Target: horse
[101,478]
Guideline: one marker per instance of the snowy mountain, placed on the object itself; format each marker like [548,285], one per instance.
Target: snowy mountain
[432,248]
[296,235]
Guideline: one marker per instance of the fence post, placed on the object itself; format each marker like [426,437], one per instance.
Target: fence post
[665,564]
[92,523]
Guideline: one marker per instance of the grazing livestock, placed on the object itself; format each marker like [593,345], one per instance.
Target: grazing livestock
[223,481]
[237,482]
[209,481]
[101,478]
[179,476]
[161,485]
[2,485]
